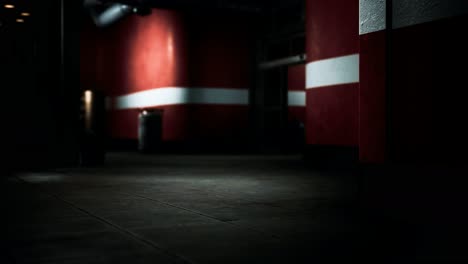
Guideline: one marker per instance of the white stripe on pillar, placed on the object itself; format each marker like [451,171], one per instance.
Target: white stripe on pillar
[334,71]
[181,95]
[296,98]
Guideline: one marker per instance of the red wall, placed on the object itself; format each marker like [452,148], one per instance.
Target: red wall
[171,49]
[296,82]
[220,57]
[147,52]
[220,51]
[332,111]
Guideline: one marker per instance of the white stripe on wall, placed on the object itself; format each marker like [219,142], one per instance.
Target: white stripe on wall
[334,71]
[296,98]
[182,95]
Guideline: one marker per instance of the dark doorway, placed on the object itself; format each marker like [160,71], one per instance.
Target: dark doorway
[274,110]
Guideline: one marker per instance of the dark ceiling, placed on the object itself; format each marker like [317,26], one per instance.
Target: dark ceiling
[249,7]
[235,5]
[8,15]
[246,6]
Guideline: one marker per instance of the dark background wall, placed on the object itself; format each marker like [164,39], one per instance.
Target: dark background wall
[296,83]
[412,79]
[373,68]
[428,108]
[39,72]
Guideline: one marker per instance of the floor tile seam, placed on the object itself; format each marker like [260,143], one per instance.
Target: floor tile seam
[131,234]
[273,205]
[212,217]
[128,233]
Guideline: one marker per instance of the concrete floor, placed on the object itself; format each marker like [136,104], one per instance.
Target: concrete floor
[190,209]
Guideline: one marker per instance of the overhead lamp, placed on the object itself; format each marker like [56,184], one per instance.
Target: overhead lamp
[20,20]
[9,6]
[25,14]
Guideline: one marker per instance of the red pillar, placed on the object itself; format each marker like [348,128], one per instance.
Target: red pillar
[332,74]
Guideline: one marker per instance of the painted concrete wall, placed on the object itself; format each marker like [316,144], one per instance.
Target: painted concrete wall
[332,73]
[195,70]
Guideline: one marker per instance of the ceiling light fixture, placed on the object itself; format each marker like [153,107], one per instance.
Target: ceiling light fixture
[19,20]
[9,6]
[25,14]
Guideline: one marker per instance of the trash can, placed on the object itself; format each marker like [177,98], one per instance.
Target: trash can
[150,130]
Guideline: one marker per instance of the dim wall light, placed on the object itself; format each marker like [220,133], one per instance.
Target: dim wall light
[19,20]
[25,14]
[88,108]
[88,97]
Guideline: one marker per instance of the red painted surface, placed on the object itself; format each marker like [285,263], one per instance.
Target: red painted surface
[332,111]
[168,49]
[219,52]
[187,122]
[147,52]
[333,119]
[331,28]
[296,82]
[296,77]
[218,122]
[297,113]
[372,105]
[428,105]
[123,124]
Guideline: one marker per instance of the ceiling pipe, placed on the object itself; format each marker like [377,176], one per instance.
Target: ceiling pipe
[112,13]
[283,62]
[199,5]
